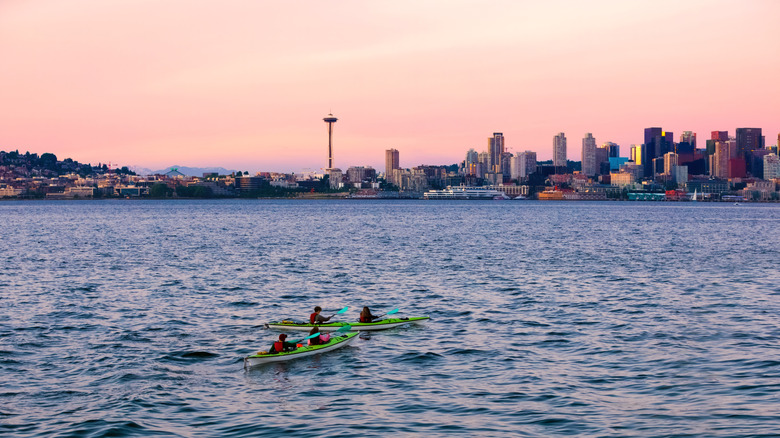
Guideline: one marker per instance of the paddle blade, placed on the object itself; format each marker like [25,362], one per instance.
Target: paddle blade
[391,312]
[344,328]
[342,310]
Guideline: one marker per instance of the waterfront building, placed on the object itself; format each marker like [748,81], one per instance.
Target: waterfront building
[771,166]
[335,178]
[589,164]
[10,192]
[248,183]
[358,174]
[496,153]
[559,151]
[391,162]
[621,179]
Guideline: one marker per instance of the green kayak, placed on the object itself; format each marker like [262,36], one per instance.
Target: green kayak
[381,324]
[334,343]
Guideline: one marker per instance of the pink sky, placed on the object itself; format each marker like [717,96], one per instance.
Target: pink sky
[245,84]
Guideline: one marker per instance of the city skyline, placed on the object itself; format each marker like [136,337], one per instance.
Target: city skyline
[228,85]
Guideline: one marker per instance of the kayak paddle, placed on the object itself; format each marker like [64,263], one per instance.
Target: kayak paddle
[339,312]
[308,337]
[344,328]
[388,313]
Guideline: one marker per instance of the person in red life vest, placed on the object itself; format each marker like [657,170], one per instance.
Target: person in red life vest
[366,316]
[282,345]
[316,318]
[323,338]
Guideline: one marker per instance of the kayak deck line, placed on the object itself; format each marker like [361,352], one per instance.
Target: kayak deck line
[355,326]
[334,343]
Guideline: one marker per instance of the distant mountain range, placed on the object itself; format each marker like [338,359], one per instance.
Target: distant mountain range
[189,171]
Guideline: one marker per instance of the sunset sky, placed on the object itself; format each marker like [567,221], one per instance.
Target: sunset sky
[245,84]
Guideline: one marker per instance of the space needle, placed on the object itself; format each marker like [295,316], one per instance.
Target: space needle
[330,120]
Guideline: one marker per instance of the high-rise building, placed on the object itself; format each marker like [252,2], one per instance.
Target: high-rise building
[559,151]
[657,143]
[471,162]
[720,160]
[496,152]
[771,166]
[670,162]
[514,167]
[330,120]
[613,149]
[749,139]
[589,165]
[602,161]
[636,154]
[483,158]
[688,137]
[719,135]
[391,162]
[527,163]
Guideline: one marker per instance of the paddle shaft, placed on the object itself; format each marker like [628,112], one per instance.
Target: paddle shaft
[388,313]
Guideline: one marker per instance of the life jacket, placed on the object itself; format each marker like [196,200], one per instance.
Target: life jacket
[319,340]
[312,317]
[365,318]
[279,346]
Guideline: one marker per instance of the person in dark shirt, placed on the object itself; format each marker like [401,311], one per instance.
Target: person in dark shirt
[316,318]
[281,345]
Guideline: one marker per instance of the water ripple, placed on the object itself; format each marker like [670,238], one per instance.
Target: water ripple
[587,319]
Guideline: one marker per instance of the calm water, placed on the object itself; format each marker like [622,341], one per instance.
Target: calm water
[131,318]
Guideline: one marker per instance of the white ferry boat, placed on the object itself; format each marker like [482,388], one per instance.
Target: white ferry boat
[465,192]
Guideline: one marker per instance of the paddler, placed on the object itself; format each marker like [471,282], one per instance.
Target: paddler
[323,338]
[282,345]
[316,318]
[366,316]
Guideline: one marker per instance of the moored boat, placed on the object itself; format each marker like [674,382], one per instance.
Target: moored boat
[334,343]
[356,326]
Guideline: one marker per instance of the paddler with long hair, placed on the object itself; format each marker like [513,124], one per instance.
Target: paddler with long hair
[323,338]
[366,316]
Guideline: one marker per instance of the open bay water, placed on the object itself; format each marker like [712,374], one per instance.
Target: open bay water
[131,318]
